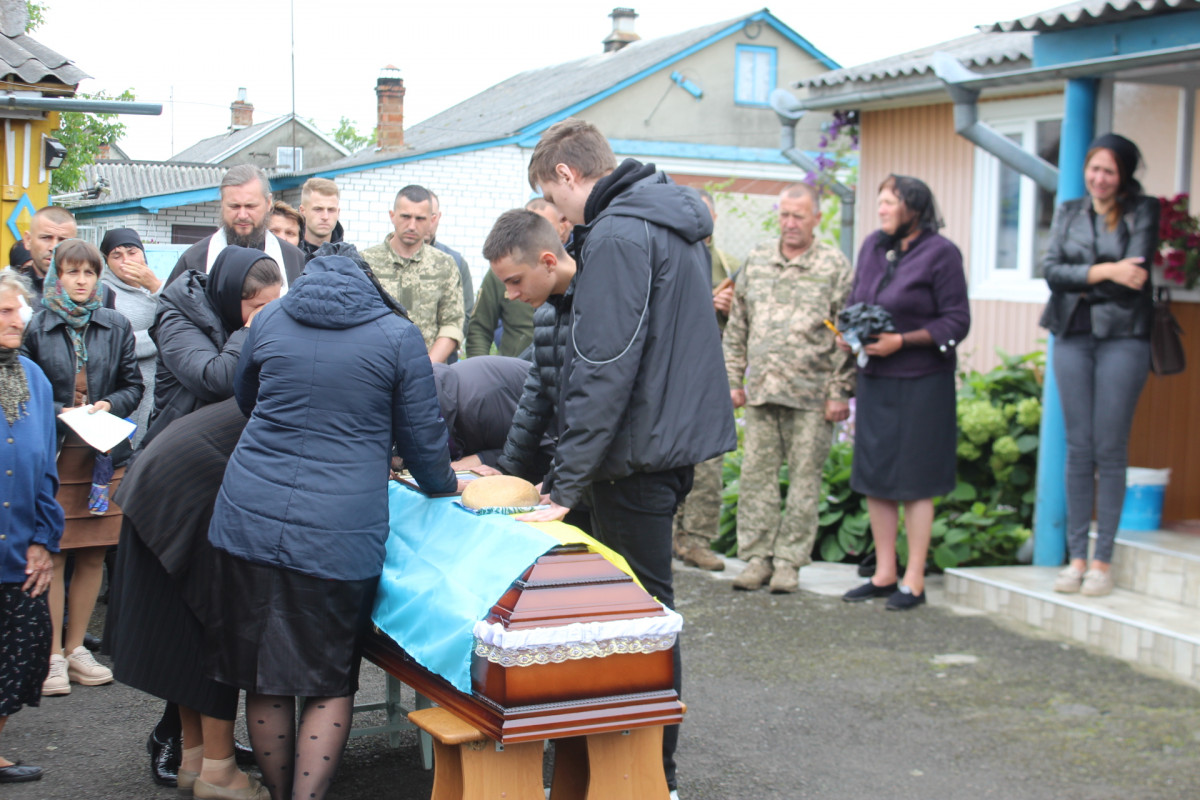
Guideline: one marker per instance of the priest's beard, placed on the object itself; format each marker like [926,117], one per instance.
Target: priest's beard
[256,239]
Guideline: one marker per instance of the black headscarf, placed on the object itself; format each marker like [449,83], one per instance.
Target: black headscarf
[121,237]
[1127,153]
[225,281]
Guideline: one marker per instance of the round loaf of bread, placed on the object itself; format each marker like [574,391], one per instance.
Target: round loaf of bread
[500,491]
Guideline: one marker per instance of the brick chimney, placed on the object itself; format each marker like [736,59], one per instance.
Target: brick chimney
[241,113]
[389,94]
[622,31]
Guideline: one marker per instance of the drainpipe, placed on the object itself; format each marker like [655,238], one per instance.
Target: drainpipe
[1050,513]
[785,106]
[967,125]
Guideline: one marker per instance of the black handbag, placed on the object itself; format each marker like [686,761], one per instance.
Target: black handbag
[1166,338]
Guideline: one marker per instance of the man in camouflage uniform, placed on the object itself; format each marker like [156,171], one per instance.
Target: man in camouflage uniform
[797,384]
[698,519]
[425,280]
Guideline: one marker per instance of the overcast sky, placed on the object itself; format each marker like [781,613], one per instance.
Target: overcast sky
[193,57]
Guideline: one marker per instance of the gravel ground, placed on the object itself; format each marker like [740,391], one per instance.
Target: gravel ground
[798,696]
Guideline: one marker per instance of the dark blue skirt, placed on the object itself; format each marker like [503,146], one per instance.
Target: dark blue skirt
[905,437]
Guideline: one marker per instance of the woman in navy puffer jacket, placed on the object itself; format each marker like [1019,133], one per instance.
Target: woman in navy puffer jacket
[330,376]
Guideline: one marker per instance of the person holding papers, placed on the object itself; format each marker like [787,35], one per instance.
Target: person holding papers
[87,352]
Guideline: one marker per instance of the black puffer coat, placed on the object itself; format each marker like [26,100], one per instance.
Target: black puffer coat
[537,411]
[1116,310]
[112,368]
[197,359]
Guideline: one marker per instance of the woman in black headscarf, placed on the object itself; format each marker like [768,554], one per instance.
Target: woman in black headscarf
[1100,309]
[906,428]
[199,329]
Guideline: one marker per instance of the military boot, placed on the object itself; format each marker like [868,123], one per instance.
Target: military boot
[695,551]
[756,573]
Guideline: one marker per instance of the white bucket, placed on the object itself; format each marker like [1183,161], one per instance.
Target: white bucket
[1144,493]
[1142,476]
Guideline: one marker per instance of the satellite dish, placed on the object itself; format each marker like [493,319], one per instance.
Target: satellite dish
[786,105]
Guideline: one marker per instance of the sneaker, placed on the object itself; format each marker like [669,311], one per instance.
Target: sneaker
[785,579]
[867,591]
[57,681]
[756,573]
[695,551]
[1069,580]
[904,599]
[1096,583]
[84,669]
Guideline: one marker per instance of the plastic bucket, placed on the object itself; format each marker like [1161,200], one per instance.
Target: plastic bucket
[1144,492]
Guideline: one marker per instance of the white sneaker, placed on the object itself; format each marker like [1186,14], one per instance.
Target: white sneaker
[1096,583]
[674,794]
[57,681]
[1069,580]
[83,668]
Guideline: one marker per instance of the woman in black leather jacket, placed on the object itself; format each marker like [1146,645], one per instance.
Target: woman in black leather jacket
[87,352]
[1098,267]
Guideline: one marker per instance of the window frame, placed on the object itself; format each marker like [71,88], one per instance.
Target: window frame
[1018,116]
[295,150]
[773,82]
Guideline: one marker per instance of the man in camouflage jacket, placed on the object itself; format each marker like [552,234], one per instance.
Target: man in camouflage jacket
[784,366]
[424,280]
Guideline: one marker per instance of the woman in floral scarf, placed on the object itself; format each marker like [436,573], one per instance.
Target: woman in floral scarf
[87,352]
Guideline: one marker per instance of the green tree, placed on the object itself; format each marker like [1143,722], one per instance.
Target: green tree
[347,135]
[83,134]
[37,15]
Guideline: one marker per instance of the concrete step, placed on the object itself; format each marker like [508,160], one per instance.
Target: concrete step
[1136,627]
[1159,564]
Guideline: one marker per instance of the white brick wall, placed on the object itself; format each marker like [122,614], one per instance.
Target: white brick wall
[156,227]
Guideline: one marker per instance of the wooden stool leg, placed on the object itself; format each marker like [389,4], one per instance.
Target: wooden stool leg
[626,765]
[570,778]
[447,773]
[514,773]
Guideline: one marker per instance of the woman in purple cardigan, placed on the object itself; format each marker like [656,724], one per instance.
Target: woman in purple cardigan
[906,428]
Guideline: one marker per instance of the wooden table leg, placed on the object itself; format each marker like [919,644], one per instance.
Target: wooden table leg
[511,773]
[448,775]
[626,765]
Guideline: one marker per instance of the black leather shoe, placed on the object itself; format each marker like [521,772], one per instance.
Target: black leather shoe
[867,591]
[244,755]
[20,773]
[91,643]
[164,759]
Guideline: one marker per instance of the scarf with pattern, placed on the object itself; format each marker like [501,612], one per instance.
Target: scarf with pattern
[14,389]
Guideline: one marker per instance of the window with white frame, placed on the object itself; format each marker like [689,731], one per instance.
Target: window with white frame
[1012,214]
[754,74]
[289,158]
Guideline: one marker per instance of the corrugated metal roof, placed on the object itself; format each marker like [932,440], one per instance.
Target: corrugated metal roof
[33,62]
[133,180]
[979,51]
[1091,12]
[513,105]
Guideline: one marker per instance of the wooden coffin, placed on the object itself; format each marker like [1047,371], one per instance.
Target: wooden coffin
[559,698]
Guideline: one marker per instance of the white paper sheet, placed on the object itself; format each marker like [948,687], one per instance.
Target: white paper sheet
[101,430]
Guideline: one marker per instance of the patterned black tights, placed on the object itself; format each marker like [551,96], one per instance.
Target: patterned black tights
[300,768]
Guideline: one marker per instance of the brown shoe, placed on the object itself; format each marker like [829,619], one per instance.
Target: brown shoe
[695,551]
[785,579]
[756,573]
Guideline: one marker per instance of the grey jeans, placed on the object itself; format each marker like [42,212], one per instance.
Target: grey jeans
[1099,381]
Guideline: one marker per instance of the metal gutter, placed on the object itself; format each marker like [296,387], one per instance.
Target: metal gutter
[74,104]
[856,99]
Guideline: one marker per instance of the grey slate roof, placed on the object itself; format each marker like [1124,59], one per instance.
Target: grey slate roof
[512,105]
[1091,12]
[979,51]
[211,149]
[33,62]
[133,180]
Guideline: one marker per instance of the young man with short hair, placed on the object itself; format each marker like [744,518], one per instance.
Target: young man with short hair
[644,396]
[320,206]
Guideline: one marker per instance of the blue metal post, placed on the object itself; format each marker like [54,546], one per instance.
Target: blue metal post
[1050,516]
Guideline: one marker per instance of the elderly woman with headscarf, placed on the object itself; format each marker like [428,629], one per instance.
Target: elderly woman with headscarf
[134,288]
[32,523]
[87,352]
[331,376]
[905,434]
[200,328]
[1100,310]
